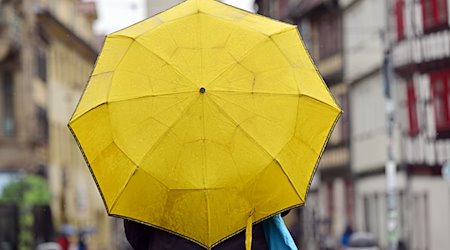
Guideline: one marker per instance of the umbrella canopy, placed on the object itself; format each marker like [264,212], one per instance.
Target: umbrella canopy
[203,117]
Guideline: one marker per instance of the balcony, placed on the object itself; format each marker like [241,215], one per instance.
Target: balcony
[11,25]
[422,52]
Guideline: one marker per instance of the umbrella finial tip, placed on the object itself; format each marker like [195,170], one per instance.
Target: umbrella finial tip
[202,90]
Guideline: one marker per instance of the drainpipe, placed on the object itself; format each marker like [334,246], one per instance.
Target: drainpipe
[391,165]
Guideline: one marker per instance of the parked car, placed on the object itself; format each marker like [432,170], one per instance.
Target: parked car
[48,246]
[363,241]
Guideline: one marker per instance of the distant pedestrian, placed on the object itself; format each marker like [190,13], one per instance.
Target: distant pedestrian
[81,245]
[345,239]
[63,242]
[401,245]
[66,231]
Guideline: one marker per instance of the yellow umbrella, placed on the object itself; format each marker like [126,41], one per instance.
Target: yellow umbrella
[203,118]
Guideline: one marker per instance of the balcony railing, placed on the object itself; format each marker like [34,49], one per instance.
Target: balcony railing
[422,49]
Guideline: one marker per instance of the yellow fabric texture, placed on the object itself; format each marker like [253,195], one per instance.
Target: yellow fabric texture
[201,115]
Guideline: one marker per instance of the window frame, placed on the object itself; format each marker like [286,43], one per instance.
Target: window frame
[411,98]
[431,15]
[41,70]
[399,19]
[442,120]
[7,113]
[329,30]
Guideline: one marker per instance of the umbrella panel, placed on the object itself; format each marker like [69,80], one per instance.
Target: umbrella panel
[165,154]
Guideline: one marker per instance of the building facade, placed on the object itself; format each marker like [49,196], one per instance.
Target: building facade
[46,56]
[69,54]
[277,9]
[348,39]
[23,121]
[330,202]
[421,60]
[156,6]
[366,24]
[23,136]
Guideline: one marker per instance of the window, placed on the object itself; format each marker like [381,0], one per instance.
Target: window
[440,87]
[412,110]
[371,213]
[434,14]
[7,109]
[345,118]
[263,7]
[349,200]
[283,8]
[420,224]
[341,131]
[41,64]
[42,122]
[399,18]
[307,34]
[329,35]
[402,219]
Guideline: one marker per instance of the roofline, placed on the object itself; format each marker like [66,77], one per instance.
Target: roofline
[52,25]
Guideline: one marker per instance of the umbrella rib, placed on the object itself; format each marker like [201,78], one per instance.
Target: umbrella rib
[265,118]
[164,60]
[290,180]
[239,62]
[231,66]
[149,96]
[153,116]
[235,166]
[162,22]
[249,52]
[278,47]
[293,27]
[84,112]
[266,93]
[310,59]
[102,73]
[205,171]
[121,59]
[84,92]
[255,93]
[160,139]
[123,188]
[323,102]
[242,129]
[129,178]
[247,27]
[199,23]
[208,209]
[321,154]
[117,101]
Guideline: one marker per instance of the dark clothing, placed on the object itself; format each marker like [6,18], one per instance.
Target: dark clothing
[81,245]
[142,237]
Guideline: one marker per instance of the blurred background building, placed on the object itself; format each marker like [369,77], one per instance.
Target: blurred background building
[48,48]
[155,7]
[47,51]
[330,204]
[347,39]
[421,61]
